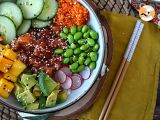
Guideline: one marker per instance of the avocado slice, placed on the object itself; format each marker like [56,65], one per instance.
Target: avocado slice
[26,98]
[36,91]
[62,97]
[28,80]
[18,89]
[52,98]
[46,83]
[42,102]
[32,106]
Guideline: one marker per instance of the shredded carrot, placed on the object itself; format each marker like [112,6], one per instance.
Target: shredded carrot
[71,12]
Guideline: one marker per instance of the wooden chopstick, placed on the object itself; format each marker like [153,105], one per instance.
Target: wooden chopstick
[121,72]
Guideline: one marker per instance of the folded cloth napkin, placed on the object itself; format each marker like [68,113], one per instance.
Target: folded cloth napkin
[137,96]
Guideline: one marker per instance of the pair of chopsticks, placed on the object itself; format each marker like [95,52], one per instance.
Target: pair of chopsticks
[122,70]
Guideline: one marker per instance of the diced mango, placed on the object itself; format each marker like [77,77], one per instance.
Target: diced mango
[5,65]
[2,50]
[17,68]
[10,77]
[7,46]
[10,54]
[6,88]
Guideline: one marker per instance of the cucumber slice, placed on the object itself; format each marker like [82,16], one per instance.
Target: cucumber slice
[26,24]
[12,11]
[49,10]
[30,8]
[8,1]
[7,29]
[40,24]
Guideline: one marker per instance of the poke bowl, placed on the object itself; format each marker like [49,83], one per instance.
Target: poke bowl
[51,53]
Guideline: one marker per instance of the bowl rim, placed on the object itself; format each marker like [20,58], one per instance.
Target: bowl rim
[51,111]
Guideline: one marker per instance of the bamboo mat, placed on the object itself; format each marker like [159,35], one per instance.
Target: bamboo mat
[120,6]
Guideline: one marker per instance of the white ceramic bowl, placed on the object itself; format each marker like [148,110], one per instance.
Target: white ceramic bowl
[87,84]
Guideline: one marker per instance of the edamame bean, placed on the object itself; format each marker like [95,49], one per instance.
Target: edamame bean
[74,71]
[81,68]
[66,60]
[75,58]
[65,30]
[73,46]
[78,36]
[63,35]
[93,56]
[73,30]
[77,51]
[91,42]
[68,53]
[92,65]
[86,35]
[83,54]
[88,50]
[81,60]
[58,51]
[71,60]
[94,34]
[84,28]
[73,66]
[95,47]
[84,47]
[87,61]
[70,39]
[79,28]
[81,41]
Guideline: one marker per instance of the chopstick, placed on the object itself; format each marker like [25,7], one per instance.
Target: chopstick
[122,70]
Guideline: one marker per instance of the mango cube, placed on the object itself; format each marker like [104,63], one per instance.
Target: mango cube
[5,65]
[6,88]
[17,68]
[10,54]
[2,49]
[10,77]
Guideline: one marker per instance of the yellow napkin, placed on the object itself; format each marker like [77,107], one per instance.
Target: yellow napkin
[137,96]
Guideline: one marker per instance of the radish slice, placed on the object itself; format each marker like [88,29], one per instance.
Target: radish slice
[77,75]
[76,82]
[86,73]
[66,70]
[69,91]
[60,76]
[68,83]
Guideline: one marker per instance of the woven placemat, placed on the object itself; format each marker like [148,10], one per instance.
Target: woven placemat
[120,6]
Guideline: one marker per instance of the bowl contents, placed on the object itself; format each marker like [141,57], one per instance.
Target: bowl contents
[47,50]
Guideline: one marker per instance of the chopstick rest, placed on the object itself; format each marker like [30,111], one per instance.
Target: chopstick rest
[122,70]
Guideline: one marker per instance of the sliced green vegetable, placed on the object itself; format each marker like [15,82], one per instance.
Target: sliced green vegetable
[12,11]
[30,8]
[46,83]
[52,98]
[33,106]
[49,10]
